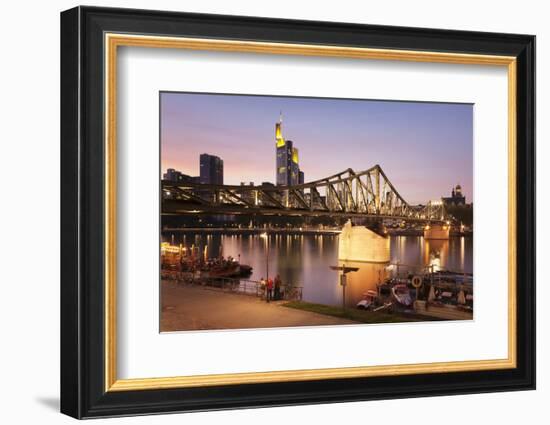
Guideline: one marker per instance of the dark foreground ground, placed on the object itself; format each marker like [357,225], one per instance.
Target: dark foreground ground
[200,308]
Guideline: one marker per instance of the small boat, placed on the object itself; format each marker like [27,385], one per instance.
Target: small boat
[245,270]
[368,300]
[402,294]
[230,270]
[446,296]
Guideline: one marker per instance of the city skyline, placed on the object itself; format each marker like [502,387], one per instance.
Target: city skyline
[425,148]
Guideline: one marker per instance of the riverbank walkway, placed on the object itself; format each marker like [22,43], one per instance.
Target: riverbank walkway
[186,307]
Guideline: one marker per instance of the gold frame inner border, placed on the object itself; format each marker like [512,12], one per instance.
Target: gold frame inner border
[113,40]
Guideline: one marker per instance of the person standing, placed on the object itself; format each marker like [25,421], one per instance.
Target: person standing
[269,289]
[263,287]
[277,287]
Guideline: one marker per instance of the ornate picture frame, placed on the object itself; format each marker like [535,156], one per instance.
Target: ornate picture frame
[90,41]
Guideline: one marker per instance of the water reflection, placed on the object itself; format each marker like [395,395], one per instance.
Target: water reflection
[304,260]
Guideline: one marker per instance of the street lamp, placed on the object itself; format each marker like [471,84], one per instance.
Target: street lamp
[264,236]
[343,280]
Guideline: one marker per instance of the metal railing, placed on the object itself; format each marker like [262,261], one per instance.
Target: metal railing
[234,285]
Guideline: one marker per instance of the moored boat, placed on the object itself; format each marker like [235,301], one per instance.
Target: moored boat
[368,300]
[183,260]
[402,294]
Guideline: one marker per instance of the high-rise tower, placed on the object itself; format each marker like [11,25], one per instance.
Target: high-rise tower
[287,162]
[211,169]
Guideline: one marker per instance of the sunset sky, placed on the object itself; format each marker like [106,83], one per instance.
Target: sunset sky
[424,148]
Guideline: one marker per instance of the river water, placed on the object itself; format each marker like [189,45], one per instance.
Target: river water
[304,260]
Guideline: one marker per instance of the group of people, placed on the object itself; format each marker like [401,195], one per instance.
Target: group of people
[272,288]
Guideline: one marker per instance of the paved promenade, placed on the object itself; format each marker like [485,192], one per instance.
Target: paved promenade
[199,308]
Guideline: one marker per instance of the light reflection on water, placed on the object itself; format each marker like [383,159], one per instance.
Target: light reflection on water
[305,259]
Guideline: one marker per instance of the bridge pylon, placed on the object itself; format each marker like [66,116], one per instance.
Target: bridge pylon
[360,244]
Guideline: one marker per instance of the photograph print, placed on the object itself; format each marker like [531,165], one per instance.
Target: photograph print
[280,211]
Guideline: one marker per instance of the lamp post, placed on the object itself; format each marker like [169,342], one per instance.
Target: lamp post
[264,236]
[343,280]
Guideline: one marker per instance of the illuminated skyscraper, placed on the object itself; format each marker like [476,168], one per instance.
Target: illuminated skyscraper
[287,163]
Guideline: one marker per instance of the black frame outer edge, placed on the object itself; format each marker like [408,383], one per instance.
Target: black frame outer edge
[69,320]
[82,174]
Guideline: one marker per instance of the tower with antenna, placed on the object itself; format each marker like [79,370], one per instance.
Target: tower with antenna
[287,172]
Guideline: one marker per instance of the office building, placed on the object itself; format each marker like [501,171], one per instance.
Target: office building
[287,162]
[175,176]
[211,169]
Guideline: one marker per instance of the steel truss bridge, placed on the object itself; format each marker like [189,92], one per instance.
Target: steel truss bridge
[367,193]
